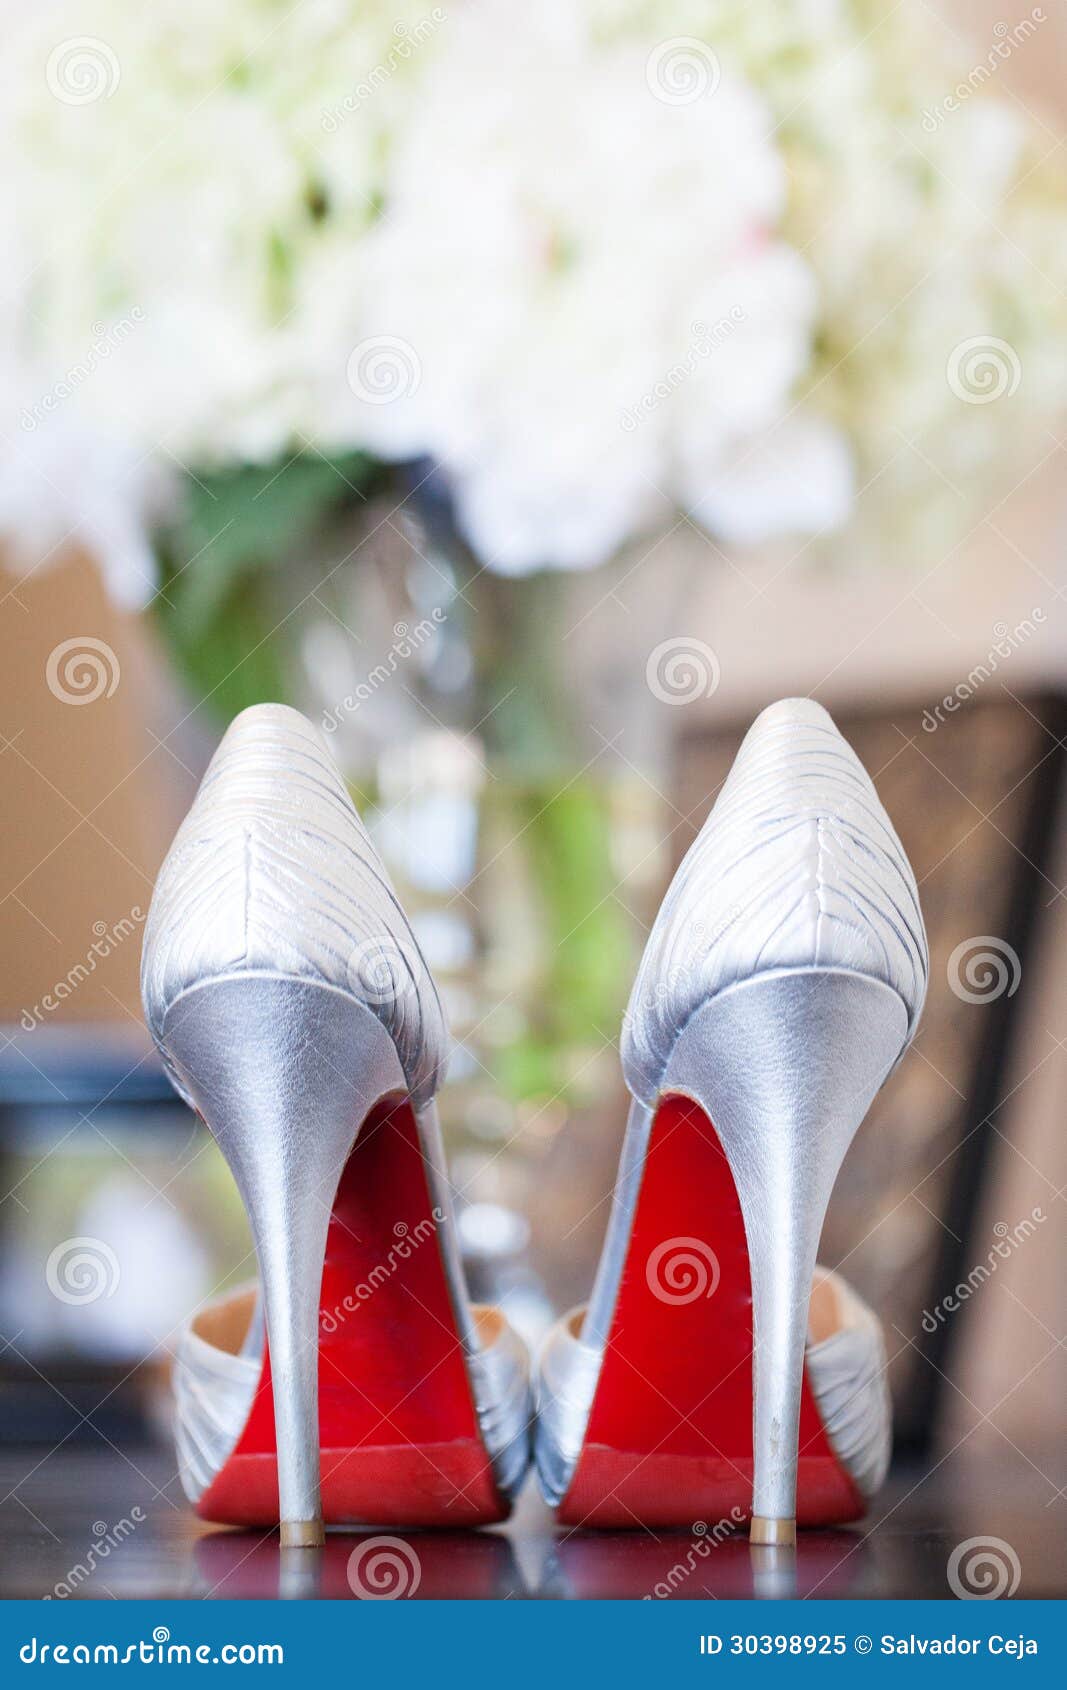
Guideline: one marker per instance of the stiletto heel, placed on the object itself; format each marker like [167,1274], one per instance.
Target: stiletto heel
[280,1069]
[294,1011]
[717,1371]
[785,1065]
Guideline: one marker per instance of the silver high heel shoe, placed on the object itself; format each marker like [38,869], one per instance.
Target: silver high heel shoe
[295,1013]
[781,984]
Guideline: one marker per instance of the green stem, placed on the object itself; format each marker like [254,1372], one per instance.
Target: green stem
[523,662]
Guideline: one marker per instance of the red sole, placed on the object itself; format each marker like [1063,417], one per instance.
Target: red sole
[669,1439]
[399,1437]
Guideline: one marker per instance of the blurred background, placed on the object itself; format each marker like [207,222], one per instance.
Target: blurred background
[531,401]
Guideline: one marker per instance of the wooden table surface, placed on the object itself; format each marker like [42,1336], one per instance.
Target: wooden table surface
[96,1522]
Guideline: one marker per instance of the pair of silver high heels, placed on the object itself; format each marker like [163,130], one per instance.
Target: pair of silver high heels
[294,1011]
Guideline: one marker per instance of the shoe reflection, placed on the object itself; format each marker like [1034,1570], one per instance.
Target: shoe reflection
[606,1565]
[368,1566]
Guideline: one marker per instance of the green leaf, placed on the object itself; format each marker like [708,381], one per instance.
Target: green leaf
[221,558]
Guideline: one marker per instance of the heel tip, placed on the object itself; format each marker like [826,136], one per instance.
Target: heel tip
[302,1534]
[780,1532]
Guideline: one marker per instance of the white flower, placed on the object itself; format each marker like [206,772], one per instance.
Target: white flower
[927,218]
[615,257]
[797,478]
[62,485]
[207,172]
[591,280]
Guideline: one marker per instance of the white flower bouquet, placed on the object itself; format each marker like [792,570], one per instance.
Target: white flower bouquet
[602,260]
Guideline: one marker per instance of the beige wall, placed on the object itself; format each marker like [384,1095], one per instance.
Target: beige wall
[88,800]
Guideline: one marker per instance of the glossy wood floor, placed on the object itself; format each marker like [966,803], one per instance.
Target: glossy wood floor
[99,1523]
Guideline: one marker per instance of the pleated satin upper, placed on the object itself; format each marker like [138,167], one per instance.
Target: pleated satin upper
[797,866]
[273,871]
